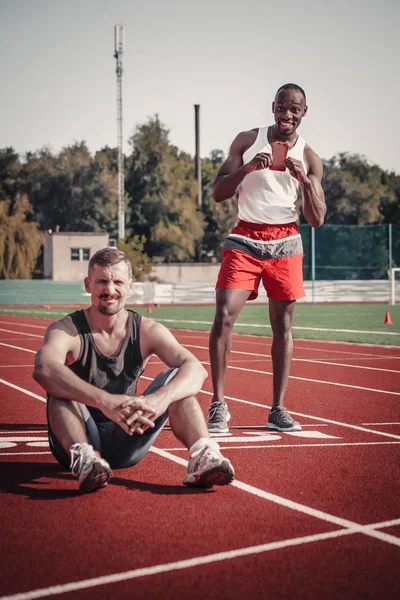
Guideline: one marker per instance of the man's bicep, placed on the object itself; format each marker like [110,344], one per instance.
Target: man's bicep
[56,345]
[158,340]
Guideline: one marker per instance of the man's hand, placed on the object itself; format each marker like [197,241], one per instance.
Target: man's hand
[262,160]
[140,420]
[133,414]
[296,170]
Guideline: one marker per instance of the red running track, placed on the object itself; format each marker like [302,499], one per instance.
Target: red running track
[313,514]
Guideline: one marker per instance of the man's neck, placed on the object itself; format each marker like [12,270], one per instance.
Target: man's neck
[100,323]
[274,135]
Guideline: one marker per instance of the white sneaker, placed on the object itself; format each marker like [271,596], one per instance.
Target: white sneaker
[93,472]
[207,467]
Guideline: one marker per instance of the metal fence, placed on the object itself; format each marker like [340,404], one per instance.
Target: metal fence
[350,251]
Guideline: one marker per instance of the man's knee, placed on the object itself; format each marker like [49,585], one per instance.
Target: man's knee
[160,380]
[225,317]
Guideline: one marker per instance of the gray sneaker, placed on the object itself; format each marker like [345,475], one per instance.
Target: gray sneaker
[280,420]
[218,417]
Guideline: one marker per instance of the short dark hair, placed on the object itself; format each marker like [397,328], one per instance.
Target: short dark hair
[110,256]
[292,86]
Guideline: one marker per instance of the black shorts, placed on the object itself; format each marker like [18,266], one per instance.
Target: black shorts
[117,447]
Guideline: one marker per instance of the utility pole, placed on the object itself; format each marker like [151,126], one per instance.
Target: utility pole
[119,48]
[197,172]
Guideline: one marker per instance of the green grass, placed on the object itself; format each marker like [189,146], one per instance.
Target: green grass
[364,322]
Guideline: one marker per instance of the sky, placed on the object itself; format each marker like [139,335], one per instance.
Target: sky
[58,81]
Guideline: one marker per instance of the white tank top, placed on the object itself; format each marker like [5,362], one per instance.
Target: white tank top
[267,196]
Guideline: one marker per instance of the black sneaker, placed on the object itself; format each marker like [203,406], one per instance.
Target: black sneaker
[280,420]
[218,417]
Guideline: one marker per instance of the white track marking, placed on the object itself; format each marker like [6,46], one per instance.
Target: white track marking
[22,333]
[22,454]
[15,366]
[350,527]
[18,348]
[266,326]
[392,423]
[307,360]
[23,325]
[175,566]
[24,391]
[282,446]
[268,373]
[296,506]
[346,385]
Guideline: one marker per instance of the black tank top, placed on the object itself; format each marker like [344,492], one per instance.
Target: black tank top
[115,374]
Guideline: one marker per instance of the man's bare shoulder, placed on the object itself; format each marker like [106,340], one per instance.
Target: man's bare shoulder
[63,326]
[243,141]
[313,160]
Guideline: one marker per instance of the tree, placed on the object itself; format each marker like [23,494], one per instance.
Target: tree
[141,263]
[354,190]
[220,217]
[20,240]
[162,195]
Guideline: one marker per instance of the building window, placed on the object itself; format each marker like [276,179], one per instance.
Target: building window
[80,254]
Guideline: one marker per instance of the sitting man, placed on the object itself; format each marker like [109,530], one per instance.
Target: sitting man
[89,365]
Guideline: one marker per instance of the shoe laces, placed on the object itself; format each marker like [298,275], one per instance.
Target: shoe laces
[217,410]
[80,454]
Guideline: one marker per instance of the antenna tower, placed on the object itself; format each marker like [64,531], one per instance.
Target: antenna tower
[119,48]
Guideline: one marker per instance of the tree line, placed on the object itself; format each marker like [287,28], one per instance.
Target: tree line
[76,191]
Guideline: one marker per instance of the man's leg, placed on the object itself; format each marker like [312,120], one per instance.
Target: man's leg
[229,303]
[281,316]
[207,466]
[72,435]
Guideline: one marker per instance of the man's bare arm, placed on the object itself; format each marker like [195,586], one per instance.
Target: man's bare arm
[60,343]
[314,207]
[50,368]
[157,339]
[233,171]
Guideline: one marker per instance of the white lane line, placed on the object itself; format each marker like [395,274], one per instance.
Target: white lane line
[298,414]
[391,423]
[259,340]
[270,373]
[22,453]
[346,385]
[18,348]
[350,528]
[296,506]
[22,333]
[12,432]
[24,391]
[282,446]
[307,360]
[175,566]
[22,324]
[266,326]
[15,366]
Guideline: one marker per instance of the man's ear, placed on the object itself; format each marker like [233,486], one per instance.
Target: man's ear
[87,285]
[273,107]
[305,110]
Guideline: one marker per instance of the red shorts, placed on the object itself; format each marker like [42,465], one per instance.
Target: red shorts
[271,253]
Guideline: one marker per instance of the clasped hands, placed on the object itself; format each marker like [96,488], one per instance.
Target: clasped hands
[134,414]
[263,160]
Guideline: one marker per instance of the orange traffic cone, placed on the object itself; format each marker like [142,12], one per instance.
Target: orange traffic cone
[149,309]
[388,320]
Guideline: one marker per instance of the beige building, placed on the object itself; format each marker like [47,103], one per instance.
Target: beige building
[66,255]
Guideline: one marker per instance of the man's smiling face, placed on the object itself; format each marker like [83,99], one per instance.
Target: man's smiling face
[289,107]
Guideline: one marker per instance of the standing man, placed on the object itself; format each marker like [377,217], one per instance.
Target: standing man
[266,244]
[89,365]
